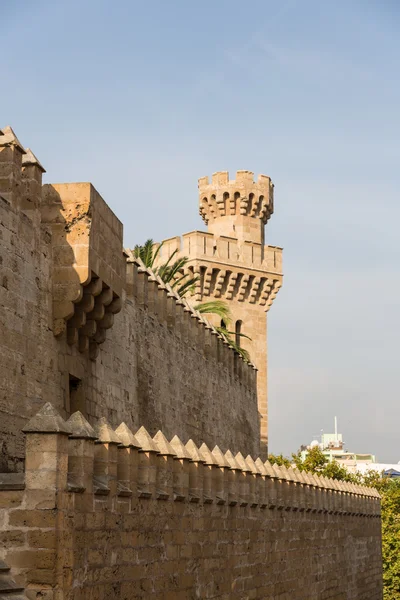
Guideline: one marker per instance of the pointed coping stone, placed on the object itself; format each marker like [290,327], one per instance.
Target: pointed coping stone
[327,482]
[242,463]
[179,448]
[294,475]
[163,445]
[350,487]
[270,471]
[30,159]
[353,488]
[345,486]
[319,481]
[260,466]
[171,293]
[322,481]
[290,476]
[284,471]
[278,471]
[105,433]
[307,478]
[234,465]
[145,440]
[201,318]
[337,485]
[160,282]
[251,464]
[126,436]
[140,264]
[194,451]
[47,420]
[81,429]
[220,458]
[11,139]
[300,476]
[152,276]
[313,480]
[128,255]
[186,306]
[206,455]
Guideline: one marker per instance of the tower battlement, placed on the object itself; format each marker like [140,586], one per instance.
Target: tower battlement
[239,202]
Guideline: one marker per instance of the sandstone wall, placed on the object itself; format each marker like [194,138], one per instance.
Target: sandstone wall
[111,515]
[158,365]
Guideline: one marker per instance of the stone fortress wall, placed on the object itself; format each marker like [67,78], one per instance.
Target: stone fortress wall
[108,514]
[94,347]
[84,327]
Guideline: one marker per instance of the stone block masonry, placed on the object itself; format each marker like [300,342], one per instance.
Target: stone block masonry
[81,327]
[108,514]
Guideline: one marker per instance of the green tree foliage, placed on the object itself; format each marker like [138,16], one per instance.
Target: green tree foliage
[390,492]
[172,272]
[316,462]
[280,460]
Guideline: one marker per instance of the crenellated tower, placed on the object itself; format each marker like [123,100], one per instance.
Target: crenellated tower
[238,208]
[233,263]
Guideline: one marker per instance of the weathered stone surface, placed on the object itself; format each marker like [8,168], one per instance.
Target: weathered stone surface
[104,432]
[126,436]
[80,427]
[47,420]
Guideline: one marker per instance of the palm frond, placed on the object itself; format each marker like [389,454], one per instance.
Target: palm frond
[145,253]
[215,307]
[176,267]
[226,334]
[188,286]
[164,269]
[156,253]
[148,253]
[238,334]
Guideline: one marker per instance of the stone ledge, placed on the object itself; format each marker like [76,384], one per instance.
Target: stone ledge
[11,481]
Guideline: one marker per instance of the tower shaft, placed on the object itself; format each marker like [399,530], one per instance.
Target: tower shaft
[233,264]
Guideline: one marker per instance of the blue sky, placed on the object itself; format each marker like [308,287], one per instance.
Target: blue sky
[142,98]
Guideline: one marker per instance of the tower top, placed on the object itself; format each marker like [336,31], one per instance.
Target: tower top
[229,207]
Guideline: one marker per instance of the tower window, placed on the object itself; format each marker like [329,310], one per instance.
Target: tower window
[76,395]
[238,331]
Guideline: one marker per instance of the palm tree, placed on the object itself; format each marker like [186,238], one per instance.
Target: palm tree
[172,273]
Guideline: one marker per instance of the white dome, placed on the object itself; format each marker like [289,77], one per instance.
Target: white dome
[314,444]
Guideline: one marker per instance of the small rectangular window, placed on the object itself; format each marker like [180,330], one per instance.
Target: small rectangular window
[76,395]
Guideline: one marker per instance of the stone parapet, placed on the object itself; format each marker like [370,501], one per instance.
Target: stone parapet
[228,269]
[54,531]
[153,294]
[238,197]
